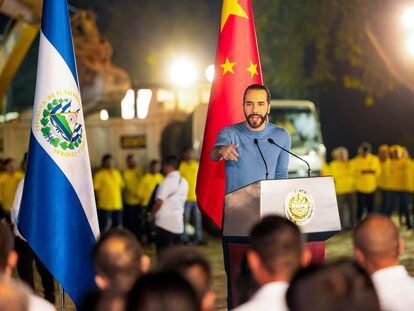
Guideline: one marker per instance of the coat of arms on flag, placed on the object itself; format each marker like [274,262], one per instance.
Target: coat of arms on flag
[58,122]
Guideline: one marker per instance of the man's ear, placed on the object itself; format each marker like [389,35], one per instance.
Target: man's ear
[305,257]
[253,260]
[101,281]
[145,263]
[12,259]
[401,246]
[208,301]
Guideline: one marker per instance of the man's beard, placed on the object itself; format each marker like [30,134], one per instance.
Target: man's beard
[258,124]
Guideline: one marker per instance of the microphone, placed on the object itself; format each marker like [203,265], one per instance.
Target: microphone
[298,157]
[256,142]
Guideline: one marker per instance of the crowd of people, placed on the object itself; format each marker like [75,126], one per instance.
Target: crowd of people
[368,183]
[277,272]
[283,277]
[132,198]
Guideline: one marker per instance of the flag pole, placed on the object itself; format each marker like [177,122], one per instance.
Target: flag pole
[62,298]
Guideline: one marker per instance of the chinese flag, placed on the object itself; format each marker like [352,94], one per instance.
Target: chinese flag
[237,66]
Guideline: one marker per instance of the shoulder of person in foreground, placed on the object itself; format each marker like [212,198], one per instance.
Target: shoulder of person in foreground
[37,303]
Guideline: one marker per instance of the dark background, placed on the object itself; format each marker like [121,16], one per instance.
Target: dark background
[308,50]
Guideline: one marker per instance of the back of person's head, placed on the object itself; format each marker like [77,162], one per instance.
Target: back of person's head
[13,296]
[119,260]
[163,291]
[103,300]
[377,243]
[172,161]
[276,249]
[194,267]
[8,257]
[339,286]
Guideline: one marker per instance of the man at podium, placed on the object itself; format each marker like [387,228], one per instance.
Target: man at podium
[245,147]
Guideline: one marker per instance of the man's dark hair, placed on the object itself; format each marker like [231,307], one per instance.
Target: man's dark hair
[278,242]
[342,285]
[365,147]
[173,161]
[181,259]
[129,156]
[6,245]
[163,291]
[7,161]
[106,157]
[117,257]
[153,162]
[255,87]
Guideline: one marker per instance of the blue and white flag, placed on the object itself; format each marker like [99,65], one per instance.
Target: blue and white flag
[58,215]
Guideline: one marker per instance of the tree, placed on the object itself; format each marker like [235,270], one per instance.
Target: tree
[305,45]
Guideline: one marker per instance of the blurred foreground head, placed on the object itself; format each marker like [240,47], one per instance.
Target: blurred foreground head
[8,256]
[163,291]
[277,250]
[119,261]
[13,296]
[377,243]
[194,267]
[340,286]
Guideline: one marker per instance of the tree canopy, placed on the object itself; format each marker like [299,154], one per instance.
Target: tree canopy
[305,45]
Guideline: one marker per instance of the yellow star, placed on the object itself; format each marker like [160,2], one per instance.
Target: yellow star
[227,66]
[231,7]
[252,69]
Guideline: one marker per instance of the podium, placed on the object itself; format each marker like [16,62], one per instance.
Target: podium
[308,202]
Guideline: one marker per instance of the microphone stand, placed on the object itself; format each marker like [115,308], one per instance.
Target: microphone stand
[291,153]
[256,142]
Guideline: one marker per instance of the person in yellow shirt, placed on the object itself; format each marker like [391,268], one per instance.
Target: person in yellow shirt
[399,184]
[108,185]
[146,191]
[9,181]
[188,170]
[340,169]
[366,169]
[132,214]
[383,179]
[149,182]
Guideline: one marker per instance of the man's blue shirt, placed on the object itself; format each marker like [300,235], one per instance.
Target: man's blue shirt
[250,167]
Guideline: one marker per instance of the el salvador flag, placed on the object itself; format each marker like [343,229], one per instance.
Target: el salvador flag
[58,215]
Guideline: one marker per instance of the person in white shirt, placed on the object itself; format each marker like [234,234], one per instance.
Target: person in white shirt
[277,251]
[25,253]
[377,246]
[168,209]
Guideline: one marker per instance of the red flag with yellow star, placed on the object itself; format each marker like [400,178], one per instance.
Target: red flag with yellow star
[237,66]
